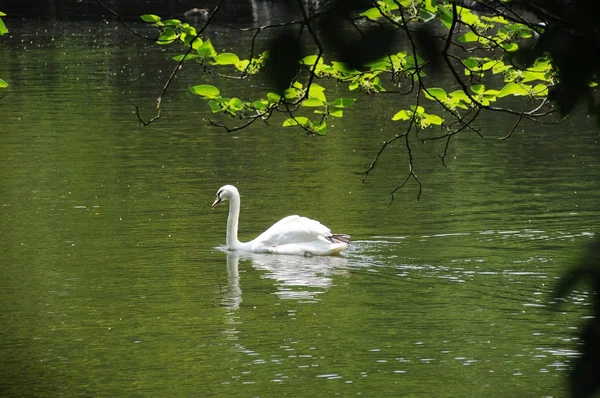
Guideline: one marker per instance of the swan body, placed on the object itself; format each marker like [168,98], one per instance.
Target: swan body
[291,235]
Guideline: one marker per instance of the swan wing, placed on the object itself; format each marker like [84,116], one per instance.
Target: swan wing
[292,229]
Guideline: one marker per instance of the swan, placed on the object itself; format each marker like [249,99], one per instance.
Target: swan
[290,235]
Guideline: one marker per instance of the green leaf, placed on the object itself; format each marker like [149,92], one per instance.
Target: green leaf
[343,102]
[297,85]
[172,22]
[207,49]
[260,105]
[310,60]
[337,112]
[300,120]
[470,62]
[371,13]
[478,88]
[216,106]
[227,59]
[242,65]
[290,93]
[542,90]
[316,91]
[236,104]
[377,83]
[3,84]
[150,18]
[312,102]
[512,89]
[2,14]
[460,95]
[189,30]
[206,90]
[446,16]
[437,93]
[343,68]
[469,37]
[167,36]
[188,57]
[403,115]
[434,119]
[196,43]
[510,47]
[528,76]
[321,129]
[273,97]
[3,29]
[500,67]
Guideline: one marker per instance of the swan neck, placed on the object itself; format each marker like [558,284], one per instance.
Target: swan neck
[232,222]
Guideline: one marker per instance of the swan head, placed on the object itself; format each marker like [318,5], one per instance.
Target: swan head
[226,192]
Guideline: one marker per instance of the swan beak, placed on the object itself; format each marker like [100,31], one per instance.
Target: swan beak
[216,202]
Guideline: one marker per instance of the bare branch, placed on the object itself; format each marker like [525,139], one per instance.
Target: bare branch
[123,22]
[177,68]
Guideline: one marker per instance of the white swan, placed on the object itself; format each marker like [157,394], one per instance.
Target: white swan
[290,235]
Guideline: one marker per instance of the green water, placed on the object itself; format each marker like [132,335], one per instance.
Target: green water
[114,282]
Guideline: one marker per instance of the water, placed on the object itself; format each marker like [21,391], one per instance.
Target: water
[115,282]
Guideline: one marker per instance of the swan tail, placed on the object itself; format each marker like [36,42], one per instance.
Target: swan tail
[339,238]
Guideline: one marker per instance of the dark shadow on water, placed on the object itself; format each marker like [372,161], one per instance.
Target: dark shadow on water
[583,379]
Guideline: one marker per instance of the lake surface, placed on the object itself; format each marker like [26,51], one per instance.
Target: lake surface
[115,283]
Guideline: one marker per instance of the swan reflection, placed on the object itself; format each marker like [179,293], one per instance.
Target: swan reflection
[296,277]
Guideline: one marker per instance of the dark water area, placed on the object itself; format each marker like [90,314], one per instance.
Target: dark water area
[248,12]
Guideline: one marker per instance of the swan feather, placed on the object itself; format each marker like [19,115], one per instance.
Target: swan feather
[291,235]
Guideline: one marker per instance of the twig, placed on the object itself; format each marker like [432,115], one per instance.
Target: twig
[512,130]
[123,22]
[177,68]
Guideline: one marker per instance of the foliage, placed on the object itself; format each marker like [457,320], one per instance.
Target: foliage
[487,53]
[3,30]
